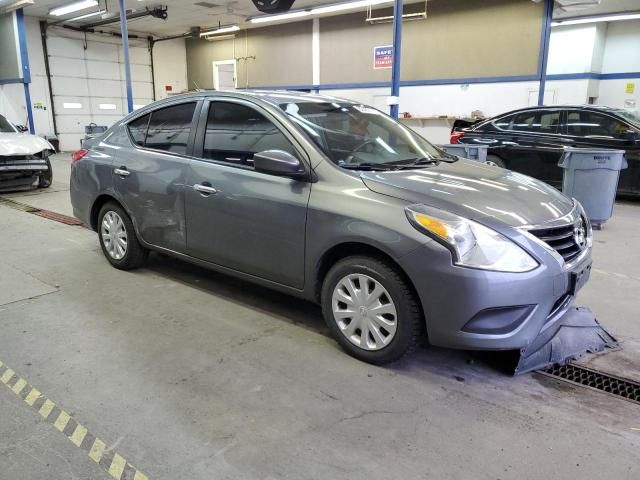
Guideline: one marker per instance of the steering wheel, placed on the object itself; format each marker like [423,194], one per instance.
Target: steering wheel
[363,148]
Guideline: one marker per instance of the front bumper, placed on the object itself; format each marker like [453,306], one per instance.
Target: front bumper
[20,173]
[484,310]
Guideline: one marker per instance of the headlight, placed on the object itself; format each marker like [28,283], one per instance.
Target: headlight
[473,245]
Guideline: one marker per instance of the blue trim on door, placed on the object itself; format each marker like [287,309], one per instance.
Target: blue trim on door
[454,81]
[26,71]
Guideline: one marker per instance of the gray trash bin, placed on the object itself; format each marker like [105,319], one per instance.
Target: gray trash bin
[591,177]
[471,152]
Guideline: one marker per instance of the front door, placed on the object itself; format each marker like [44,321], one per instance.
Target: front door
[149,179]
[236,217]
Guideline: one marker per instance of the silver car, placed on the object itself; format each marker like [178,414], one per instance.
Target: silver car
[337,203]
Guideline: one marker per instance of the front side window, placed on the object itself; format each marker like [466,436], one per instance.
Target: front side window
[582,123]
[358,136]
[5,126]
[169,128]
[235,132]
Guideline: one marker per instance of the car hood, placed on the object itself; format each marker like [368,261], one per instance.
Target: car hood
[474,190]
[22,144]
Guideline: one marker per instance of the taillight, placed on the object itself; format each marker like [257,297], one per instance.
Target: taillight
[455,136]
[78,155]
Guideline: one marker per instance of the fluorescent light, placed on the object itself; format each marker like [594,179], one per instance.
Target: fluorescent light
[230,28]
[87,15]
[282,16]
[347,6]
[107,106]
[72,7]
[71,105]
[604,18]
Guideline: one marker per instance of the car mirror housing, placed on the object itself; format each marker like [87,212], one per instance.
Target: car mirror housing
[21,128]
[278,162]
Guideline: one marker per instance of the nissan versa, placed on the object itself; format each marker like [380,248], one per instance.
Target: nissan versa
[337,203]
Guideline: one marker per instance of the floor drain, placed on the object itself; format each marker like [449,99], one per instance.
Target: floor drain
[620,387]
[58,217]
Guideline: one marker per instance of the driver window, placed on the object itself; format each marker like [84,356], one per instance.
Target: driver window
[235,132]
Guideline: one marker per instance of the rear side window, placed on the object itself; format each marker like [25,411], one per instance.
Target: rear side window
[591,124]
[165,129]
[138,129]
[235,132]
[540,121]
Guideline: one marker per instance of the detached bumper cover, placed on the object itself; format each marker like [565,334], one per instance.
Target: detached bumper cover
[572,336]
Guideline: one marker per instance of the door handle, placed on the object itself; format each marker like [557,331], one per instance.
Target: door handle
[122,171]
[204,190]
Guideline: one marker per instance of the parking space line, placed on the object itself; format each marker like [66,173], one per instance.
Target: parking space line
[111,462]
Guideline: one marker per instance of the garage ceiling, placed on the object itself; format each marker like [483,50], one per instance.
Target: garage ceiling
[184,14]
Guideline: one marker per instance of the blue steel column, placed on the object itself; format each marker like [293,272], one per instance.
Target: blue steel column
[124,29]
[397,48]
[26,72]
[544,48]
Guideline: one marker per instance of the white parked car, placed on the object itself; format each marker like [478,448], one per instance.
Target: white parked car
[24,159]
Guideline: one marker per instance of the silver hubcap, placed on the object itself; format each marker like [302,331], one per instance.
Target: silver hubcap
[489,162]
[114,235]
[364,312]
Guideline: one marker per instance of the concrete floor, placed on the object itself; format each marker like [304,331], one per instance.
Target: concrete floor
[192,375]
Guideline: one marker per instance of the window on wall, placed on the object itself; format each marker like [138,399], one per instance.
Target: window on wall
[592,124]
[169,128]
[235,132]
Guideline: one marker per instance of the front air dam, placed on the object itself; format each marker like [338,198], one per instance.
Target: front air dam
[576,333]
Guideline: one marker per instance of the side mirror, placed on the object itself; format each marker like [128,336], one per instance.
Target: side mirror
[21,128]
[278,162]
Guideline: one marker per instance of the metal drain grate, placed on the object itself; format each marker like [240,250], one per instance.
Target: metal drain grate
[620,387]
[58,217]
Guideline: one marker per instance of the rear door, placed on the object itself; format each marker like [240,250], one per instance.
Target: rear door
[149,178]
[236,217]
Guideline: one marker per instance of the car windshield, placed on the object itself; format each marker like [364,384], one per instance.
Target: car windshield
[5,126]
[629,115]
[361,137]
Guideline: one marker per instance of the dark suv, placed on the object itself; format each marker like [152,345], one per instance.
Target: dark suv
[531,140]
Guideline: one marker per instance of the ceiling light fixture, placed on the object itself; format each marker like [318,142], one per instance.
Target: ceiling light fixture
[338,7]
[87,15]
[281,16]
[72,7]
[228,29]
[603,18]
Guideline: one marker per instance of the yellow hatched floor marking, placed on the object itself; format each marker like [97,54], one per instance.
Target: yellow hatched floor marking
[31,398]
[118,466]
[6,376]
[62,420]
[19,385]
[78,435]
[97,450]
[46,408]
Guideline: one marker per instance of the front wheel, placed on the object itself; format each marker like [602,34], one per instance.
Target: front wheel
[118,238]
[371,309]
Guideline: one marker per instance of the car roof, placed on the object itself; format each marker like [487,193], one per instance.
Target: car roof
[275,97]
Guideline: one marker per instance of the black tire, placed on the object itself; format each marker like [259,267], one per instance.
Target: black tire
[135,254]
[496,160]
[409,320]
[44,181]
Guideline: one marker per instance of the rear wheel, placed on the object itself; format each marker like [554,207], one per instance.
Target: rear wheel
[118,238]
[495,161]
[371,309]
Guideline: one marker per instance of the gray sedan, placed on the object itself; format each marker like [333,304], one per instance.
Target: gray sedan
[336,202]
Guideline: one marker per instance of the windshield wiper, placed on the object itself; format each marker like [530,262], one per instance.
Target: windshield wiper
[369,166]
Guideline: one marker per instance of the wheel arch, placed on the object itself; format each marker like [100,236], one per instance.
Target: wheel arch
[97,205]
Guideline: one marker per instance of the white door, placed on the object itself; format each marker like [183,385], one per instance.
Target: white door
[88,82]
[224,75]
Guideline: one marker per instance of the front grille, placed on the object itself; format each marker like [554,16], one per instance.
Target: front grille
[563,238]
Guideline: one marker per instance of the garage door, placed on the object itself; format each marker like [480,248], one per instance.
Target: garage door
[87,82]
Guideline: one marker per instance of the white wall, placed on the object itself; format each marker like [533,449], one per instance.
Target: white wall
[622,48]
[170,66]
[571,49]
